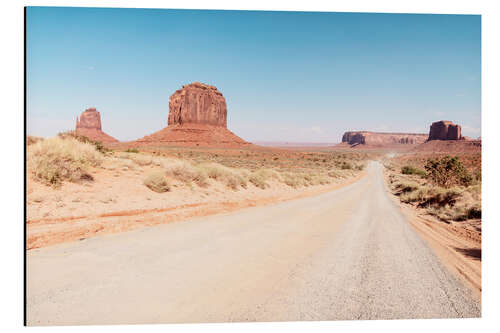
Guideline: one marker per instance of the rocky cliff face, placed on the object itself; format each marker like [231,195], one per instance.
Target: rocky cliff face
[382,139]
[445,130]
[89,125]
[198,103]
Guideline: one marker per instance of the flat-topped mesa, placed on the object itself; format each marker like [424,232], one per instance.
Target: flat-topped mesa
[89,125]
[381,139]
[197,103]
[445,130]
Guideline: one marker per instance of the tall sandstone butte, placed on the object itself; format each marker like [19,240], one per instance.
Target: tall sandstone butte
[90,126]
[198,103]
[354,138]
[197,117]
[445,130]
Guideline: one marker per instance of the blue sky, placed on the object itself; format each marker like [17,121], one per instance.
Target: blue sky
[286,76]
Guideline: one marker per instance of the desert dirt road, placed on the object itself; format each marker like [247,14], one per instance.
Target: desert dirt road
[345,254]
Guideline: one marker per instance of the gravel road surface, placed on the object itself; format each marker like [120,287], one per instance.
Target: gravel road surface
[346,254]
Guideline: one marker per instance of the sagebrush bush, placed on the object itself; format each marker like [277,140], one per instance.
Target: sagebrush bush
[447,171]
[156,181]
[132,150]
[55,160]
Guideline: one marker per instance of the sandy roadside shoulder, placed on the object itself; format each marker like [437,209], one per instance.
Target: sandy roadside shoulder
[50,229]
[458,248]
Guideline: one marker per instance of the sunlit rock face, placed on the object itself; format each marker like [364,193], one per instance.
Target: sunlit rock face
[89,125]
[198,103]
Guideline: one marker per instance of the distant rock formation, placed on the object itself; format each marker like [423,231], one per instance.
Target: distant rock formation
[198,103]
[382,139]
[90,126]
[197,117]
[445,130]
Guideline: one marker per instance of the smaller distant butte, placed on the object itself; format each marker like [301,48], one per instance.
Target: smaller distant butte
[89,125]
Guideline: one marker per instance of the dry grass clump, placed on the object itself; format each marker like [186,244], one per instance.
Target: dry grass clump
[260,177]
[32,139]
[411,170]
[291,179]
[56,159]
[230,177]
[432,196]
[320,179]
[186,172]
[403,187]
[156,181]
[73,135]
[459,212]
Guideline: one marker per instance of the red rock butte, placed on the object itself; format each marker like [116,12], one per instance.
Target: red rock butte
[197,117]
[445,130]
[90,126]
[354,138]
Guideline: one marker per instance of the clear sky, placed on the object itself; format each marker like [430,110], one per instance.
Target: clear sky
[286,76]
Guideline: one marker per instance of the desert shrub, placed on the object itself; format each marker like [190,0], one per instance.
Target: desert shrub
[32,139]
[346,166]
[333,174]
[132,150]
[360,167]
[157,182]
[259,180]
[447,171]
[186,172]
[457,213]
[320,179]
[56,159]
[291,179]
[142,160]
[432,196]
[409,170]
[405,187]
[231,178]
[83,139]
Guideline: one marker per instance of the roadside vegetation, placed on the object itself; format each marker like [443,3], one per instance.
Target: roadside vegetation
[444,187]
[54,160]
[73,158]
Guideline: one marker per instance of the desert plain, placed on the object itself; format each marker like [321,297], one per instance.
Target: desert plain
[194,224]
